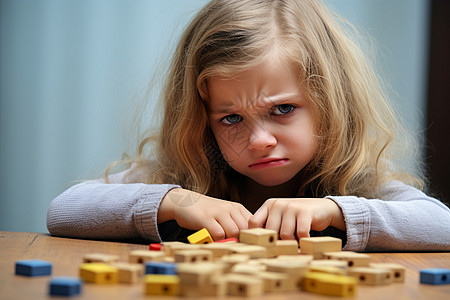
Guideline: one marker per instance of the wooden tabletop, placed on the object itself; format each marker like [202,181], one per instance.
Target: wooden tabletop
[66,256]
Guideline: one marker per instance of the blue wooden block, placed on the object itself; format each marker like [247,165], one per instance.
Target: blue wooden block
[33,267]
[65,286]
[435,276]
[164,268]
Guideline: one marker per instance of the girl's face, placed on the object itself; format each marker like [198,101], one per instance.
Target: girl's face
[262,121]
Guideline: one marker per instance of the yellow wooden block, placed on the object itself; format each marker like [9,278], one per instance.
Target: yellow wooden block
[129,273]
[98,273]
[258,236]
[193,256]
[286,247]
[398,270]
[316,246]
[372,276]
[353,259]
[100,257]
[156,284]
[244,285]
[329,284]
[142,256]
[200,237]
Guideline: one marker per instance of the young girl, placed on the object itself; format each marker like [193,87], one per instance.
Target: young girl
[272,119]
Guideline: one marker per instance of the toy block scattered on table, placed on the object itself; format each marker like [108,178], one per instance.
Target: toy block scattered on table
[258,236]
[128,273]
[297,258]
[295,271]
[247,268]
[33,267]
[99,257]
[332,263]
[230,260]
[371,276]
[286,247]
[228,240]
[172,248]
[329,270]
[163,268]
[316,246]
[329,284]
[435,276]
[65,286]
[198,274]
[200,237]
[253,251]
[216,287]
[193,256]
[99,273]
[218,249]
[274,282]
[244,285]
[398,270]
[156,284]
[166,247]
[155,247]
[142,256]
[353,259]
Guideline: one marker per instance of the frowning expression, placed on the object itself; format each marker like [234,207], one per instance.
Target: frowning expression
[262,121]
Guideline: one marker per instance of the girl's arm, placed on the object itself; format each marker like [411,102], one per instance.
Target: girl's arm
[406,219]
[97,210]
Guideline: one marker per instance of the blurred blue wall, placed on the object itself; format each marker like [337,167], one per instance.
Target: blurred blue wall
[70,71]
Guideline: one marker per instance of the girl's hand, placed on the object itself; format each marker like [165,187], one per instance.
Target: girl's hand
[195,211]
[294,218]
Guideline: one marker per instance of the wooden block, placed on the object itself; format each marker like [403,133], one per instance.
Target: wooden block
[271,251]
[435,276]
[244,285]
[316,246]
[166,247]
[329,270]
[218,249]
[293,269]
[274,281]
[198,274]
[100,273]
[216,287]
[247,268]
[286,247]
[33,267]
[193,256]
[100,257]
[329,284]
[333,263]
[155,247]
[232,259]
[258,236]
[142,256]
[160,267]
[171,249]
[65,286]
[371,276]
[156,284]
[353,259]
[200,237]
[128,273]
[296,258]
[254,251]
[398,270]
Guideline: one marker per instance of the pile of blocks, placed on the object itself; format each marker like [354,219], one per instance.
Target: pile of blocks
[252,265]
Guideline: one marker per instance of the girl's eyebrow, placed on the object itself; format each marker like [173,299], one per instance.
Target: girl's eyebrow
[227,107]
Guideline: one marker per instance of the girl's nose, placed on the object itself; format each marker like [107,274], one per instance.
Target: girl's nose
[261,138]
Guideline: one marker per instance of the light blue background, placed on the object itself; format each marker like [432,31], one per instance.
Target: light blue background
[71,72]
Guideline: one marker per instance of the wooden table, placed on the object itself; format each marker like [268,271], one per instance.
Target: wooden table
[66,255]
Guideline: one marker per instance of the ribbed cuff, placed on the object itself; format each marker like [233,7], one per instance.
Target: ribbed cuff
[357,221]
[146,215]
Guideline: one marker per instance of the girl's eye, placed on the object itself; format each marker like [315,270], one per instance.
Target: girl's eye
[231,119]
[282,109]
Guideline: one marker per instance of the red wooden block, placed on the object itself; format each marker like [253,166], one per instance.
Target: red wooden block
[155,247]
[229,240]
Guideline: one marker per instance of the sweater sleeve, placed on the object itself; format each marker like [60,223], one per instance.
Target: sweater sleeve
[404,219]
[97,210]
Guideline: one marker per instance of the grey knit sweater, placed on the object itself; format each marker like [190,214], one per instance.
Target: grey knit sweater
[404,219]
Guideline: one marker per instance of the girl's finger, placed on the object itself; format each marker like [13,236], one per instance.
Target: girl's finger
[216,230]
[288,226]
[303,226]
[258,220]
[229,226]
